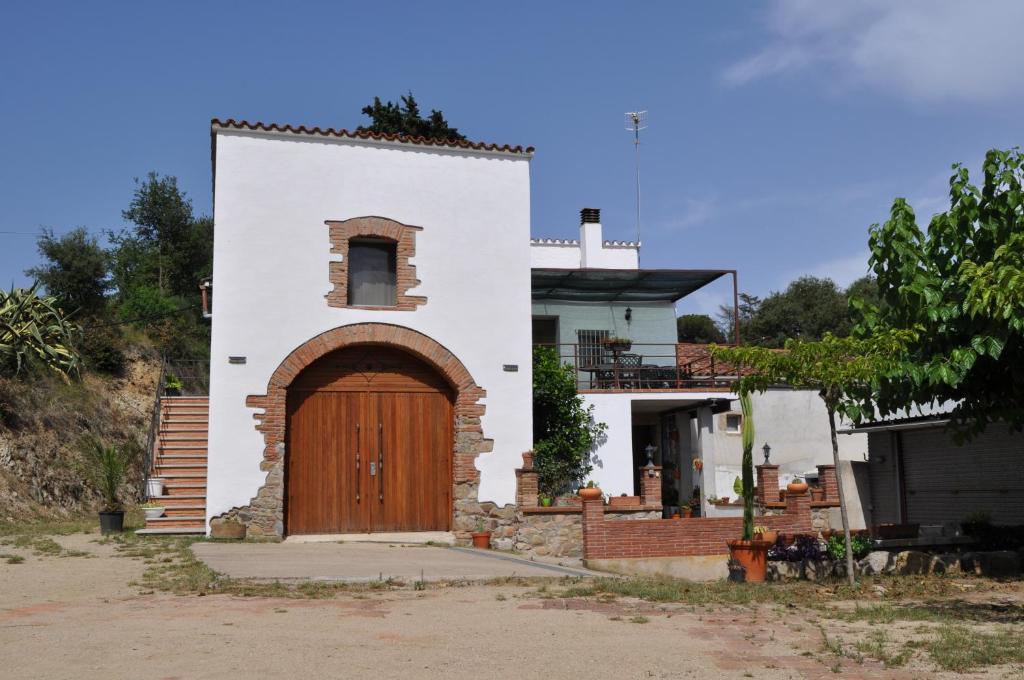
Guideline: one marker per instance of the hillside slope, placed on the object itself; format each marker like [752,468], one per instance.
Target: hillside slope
[42,423]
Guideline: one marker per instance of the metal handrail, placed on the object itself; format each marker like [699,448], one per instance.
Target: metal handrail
[154,426]
[598,367]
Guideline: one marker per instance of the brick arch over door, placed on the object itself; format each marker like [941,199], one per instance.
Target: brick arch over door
[264,516]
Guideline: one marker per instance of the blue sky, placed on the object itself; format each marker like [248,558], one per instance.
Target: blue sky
[779,131]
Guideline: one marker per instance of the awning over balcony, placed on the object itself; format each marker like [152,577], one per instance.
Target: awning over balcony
[620,285]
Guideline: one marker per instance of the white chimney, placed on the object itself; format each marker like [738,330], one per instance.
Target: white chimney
[591,240]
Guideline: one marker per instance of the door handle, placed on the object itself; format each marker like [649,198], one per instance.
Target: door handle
[380,458]
[359,481]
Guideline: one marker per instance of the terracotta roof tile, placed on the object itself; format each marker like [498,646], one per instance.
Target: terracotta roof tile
[232,124]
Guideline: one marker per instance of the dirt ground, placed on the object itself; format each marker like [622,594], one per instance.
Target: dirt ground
[81,617]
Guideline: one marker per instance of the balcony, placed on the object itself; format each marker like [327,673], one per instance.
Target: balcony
[644,367]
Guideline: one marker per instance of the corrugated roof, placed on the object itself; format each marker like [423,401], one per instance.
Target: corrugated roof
[621,285]
[232,124]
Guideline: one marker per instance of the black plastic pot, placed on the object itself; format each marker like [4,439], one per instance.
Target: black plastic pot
[112,522]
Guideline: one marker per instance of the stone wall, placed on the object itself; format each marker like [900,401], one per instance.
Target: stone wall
[558,532]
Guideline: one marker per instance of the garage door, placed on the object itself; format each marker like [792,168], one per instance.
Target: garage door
[369,445]
[945,482]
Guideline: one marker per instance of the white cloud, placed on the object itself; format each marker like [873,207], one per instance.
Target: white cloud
[922,50]
[690,213]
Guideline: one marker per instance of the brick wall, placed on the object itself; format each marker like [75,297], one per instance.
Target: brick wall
[605,539]
[828,481]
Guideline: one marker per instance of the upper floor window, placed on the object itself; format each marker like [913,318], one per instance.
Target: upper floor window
[734,423]
[374,268]
[372,272]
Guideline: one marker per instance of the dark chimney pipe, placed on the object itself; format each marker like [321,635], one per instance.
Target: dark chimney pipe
[590,216]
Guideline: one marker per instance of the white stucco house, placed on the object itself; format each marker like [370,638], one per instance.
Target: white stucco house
[375,304]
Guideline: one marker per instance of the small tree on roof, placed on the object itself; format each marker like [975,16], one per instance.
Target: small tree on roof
[844,371]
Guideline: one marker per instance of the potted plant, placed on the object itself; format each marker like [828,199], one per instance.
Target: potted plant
[765,534]
[616,344]
[817,493]
[797,486]
[590,492]
[544,500]
[105,468]
[748,556]
[172,385]
[153,509]
[154,487]
[481,537]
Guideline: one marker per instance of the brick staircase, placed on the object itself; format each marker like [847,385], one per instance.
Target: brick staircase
[179,457]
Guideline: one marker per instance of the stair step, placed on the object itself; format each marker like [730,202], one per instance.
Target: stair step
[184,398]
[187,521]
[170,531]
[187,500]
[184,489]
[184,510]
[171,476]
[181,459]
[183,448]
[173,471]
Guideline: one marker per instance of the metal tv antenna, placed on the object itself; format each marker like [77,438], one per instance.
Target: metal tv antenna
[637,121]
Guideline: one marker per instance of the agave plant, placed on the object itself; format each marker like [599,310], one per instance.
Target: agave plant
[33,329]
[105,468]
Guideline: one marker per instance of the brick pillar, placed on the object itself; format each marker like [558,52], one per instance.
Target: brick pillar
[650,485]
[798,505]
[828,481]
[767,484]
[593,528]
[526,483]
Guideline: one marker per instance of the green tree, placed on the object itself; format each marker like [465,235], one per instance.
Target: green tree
[564,431]
[961,282]
[403,118]
[807,309]
[159,262]
[34,331]
[749,305]
[844,372]
[75,271]
[698,328]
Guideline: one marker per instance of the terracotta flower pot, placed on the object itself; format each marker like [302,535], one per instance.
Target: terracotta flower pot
[796,487]
[482,540]
[817,494]
[687,511]
[590,493]
[752,556]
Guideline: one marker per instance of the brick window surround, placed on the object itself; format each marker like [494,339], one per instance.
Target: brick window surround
[264,516]
[404,237]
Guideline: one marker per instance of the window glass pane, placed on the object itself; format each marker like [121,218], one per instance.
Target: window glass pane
[371,273]
[732,423]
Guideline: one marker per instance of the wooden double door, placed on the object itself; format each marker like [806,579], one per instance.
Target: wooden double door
[369,446]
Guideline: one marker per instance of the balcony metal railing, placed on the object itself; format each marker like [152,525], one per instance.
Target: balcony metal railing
[642,366]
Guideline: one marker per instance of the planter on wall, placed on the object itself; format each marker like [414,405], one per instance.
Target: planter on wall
[590,493]
[817,494]
[796,487]
[751,557]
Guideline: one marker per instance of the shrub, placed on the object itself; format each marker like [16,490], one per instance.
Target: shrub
[34,331]
[804,547]
[105,467]
[564,431]
[860,543]
[102,350]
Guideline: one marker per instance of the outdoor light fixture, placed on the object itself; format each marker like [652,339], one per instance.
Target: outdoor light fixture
[629,314]
[651,448]
[767,449]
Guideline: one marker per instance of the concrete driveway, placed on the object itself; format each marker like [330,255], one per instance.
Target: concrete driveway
[362,562]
